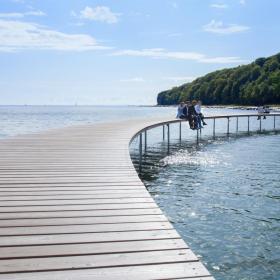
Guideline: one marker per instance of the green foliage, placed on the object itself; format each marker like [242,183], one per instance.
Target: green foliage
[252,84]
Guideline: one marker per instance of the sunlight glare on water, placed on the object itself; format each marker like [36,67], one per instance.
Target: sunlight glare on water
[194,157]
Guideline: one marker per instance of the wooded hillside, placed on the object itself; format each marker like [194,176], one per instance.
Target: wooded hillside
[253,84]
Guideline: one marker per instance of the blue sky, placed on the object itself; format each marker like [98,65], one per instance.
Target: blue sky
[124,52]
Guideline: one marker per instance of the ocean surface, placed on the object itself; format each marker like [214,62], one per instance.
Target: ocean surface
[222,195]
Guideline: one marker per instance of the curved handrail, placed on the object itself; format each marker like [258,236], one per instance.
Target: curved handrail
[209,117]
[158,124]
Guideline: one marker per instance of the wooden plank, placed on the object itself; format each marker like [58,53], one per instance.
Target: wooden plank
[76,193]
[91,248]
[80,213]
[82,220]
[189,270]
[81,207]
[87,237]
[35,189]
[74,197]
[97,261]
[70,184]
[59,229]
[25,203]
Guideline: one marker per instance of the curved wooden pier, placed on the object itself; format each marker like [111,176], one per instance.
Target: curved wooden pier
[73,207]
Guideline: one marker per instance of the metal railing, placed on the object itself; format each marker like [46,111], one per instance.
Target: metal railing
[166,126]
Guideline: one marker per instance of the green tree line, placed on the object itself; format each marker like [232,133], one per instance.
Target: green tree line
[254,84]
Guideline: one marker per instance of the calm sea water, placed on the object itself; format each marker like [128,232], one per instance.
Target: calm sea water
[16,120]
[223,196]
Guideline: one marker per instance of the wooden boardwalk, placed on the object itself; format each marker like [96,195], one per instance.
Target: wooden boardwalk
[72,207]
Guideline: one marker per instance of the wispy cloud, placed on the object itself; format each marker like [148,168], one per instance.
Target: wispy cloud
[220,28]
[180,79]
[36,13]
[164,54]
[242,2]
[99,13]
[133,80]
[20,35]
[219,6]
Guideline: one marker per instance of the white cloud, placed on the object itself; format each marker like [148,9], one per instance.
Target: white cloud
[21,15]
[11,15]
[180,79]
[35,13]
[220,28]
[19,35]
[219,6]
[99,13]
[133,80]
[242,2]
[164,54]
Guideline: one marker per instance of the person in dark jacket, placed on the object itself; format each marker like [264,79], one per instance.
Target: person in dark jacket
[192,115]
[186,109]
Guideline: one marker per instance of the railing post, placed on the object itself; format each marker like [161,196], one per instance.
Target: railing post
[228,126]
[248,124]
[237,119]
[180,131]
[163,132]
[214,127]
[197,137]
[274,122]
[145,141]
[261,124]
[168,139]
[140,153]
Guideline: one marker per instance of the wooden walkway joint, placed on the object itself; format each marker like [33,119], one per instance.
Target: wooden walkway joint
[73,207]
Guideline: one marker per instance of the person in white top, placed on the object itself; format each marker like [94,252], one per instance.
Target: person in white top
[181,111]
[199,113]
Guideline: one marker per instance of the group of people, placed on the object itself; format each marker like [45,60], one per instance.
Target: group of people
[263,110]
[191,111]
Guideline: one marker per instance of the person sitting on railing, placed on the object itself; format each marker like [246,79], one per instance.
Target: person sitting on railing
[200,117]
[266,109]
[187,106]
[261,111]
[192,116]
[181,111]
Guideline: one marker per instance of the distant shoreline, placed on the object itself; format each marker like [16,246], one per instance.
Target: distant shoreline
[239,107]
[275,107]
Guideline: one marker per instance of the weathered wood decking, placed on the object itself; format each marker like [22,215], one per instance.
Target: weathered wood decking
[72,207]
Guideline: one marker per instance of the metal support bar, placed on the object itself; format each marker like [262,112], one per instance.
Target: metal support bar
[145,141]
[261,124]
[237,119]
[274,122]
[228,126]
[140,153]
[163,132]
[168,139]
[197,137]
[180,131]
[214,127]
[248,124]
